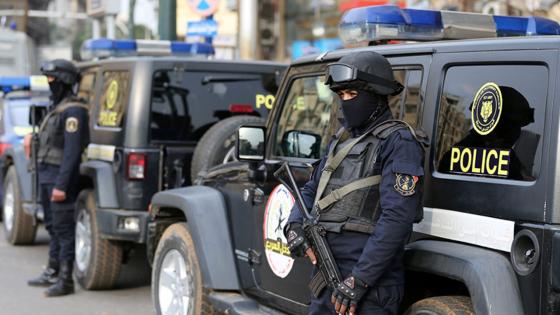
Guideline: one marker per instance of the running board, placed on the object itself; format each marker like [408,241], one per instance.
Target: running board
[237,304]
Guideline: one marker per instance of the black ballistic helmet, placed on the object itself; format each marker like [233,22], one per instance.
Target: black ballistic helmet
[62,70]
[366,70]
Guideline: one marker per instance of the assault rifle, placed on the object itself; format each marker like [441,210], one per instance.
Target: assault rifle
[34,163]
[315,233]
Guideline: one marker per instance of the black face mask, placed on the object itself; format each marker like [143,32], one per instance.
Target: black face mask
[59,91]
[359,110]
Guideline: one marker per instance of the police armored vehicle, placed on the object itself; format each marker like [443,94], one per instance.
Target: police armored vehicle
[489,241]
[161,112]
[19,94]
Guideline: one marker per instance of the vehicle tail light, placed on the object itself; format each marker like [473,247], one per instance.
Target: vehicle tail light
[136,166]
[3,147]
[240,108]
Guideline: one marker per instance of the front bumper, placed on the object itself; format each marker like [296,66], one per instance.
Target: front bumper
[123,225]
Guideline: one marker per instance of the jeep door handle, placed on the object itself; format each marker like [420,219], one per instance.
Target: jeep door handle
[256,195]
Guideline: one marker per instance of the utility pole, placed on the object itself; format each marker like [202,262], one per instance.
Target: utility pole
[167,20]
[25,16]
[281,48]
[131,6]
[248,29]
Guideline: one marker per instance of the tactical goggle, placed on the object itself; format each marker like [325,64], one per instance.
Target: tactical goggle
[48,67]
[343,73]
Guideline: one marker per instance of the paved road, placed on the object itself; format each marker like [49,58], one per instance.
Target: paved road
[17,264]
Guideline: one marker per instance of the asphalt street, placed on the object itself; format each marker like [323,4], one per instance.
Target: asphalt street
[17,264]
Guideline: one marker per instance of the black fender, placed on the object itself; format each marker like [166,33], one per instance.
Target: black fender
[487,274]
[103,178]
[17,155]
[206,214]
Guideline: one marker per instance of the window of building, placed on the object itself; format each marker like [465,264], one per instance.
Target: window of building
[491,121]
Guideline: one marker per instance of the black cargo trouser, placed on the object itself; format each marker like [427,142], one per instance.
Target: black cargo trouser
[60,223]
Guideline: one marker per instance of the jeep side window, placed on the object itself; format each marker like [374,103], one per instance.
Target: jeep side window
[114,98]
[303,128]
[185,104]
[86,87]
[310,109]
[491,121]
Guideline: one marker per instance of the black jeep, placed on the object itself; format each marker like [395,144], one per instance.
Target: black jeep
[489,242]
[156,122]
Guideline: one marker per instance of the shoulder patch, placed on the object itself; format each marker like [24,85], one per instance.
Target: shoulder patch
[405,184]
[71,124]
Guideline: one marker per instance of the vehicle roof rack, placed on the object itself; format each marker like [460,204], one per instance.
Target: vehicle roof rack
[389,22]
[105,48]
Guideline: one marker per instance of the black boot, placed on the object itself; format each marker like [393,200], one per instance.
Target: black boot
[47,277]
[65,284]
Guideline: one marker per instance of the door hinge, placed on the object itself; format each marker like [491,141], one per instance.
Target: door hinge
[254,257]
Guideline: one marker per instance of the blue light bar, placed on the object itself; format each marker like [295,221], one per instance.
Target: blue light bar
[103,48]
[8,84]
[389,22]
[192,48]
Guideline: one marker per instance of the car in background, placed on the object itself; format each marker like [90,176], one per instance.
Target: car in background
[161,113]
[18,95]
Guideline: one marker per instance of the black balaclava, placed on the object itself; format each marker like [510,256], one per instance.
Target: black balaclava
[59,90]
[371,101]
[362,109]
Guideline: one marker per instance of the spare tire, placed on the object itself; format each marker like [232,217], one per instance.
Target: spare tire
[217,145]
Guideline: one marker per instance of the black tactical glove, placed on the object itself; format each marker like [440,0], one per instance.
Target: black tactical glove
[348,292]
[297,242]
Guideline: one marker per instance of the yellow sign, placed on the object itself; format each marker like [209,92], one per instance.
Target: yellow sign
[112,95]
[266,100]
[487,108]
[480,161]
[107,118]
[277,247]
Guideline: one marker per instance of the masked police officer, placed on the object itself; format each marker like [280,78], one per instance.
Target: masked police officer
[63,135]
[369,221]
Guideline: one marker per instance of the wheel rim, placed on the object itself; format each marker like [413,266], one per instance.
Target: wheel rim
[9,207]
[83,240]
[174,291]
[230,156]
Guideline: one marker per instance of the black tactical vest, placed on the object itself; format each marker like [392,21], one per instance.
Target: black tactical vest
[51,134]
[359,209]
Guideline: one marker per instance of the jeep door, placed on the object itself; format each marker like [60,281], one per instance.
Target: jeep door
[303,124]
[492,119]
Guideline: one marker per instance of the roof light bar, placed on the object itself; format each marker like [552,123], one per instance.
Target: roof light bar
[33,83]
[389,22]
[104,48]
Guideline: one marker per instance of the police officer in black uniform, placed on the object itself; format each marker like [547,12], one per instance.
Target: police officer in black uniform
[368,225]
[63,135]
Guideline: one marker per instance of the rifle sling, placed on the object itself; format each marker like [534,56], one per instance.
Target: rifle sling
[339,193]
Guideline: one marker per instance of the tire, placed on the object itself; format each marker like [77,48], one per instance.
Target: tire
[97,261]
[176,278]
[442,305]
[18,225]
[217,145]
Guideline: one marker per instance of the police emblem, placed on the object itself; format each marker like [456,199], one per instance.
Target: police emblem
[487,108]
[405,184]
[71,124]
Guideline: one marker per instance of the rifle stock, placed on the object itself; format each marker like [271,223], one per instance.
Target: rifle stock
[315,233]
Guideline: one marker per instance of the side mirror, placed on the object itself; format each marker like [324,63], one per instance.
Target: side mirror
[301,144]
[251,143]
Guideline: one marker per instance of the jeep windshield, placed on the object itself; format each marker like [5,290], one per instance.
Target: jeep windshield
[187,103]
